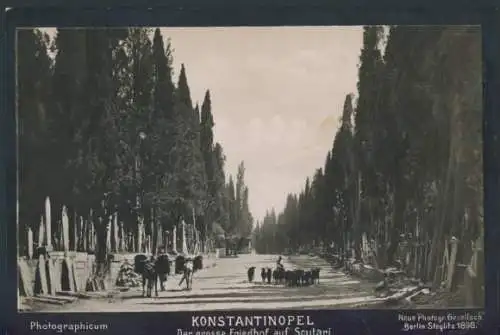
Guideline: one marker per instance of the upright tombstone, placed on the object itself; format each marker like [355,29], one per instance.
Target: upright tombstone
[92,236]
[41,232]
[80,237]
[48,224]
[76,227]
[139,237]
[194,243]
[53,276]
[159,236]
[85,235]
[27,276]
[90,226]
[115,232]
[30,243]
[65,229]
[43,274]
[174,238]
[184,245]
[121,238]
[108,232]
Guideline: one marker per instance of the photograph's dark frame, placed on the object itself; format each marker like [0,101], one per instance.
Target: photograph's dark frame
[243,13]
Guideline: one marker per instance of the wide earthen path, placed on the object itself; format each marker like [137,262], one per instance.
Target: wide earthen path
[225,287]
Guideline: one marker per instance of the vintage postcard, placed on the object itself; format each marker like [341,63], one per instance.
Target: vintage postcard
[166,169]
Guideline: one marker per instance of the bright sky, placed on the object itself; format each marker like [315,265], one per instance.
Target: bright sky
[277,96]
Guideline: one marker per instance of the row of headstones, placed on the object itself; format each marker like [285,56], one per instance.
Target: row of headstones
[86,235]
[122,242]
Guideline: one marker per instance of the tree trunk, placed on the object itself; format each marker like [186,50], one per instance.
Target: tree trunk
[441,213]
[101,247]
[154,231]
[397,222]
[356,217]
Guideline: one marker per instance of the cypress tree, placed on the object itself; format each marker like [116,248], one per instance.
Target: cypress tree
[34,68]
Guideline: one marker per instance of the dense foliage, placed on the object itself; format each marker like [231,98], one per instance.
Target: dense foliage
[103,130]
[406,162]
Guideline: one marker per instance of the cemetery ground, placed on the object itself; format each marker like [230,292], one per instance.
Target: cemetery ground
[225,287]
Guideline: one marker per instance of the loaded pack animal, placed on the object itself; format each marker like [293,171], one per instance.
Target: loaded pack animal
[263,274]
[152,270]
[269,275]
[198,263]
[251,274]
[145,267]
[315,275]
[162,268]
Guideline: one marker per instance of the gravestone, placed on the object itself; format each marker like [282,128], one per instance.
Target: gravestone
[115,232]
[41,267]
[41,232]
[30,243]
[26,276]
[52,279]
[174,239]
[139,239]
[65,229]
[48,224]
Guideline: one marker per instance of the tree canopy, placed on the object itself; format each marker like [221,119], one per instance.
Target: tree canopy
[104,129]
[406,161]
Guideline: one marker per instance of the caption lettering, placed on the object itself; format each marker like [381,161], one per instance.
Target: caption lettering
[254,325]
[440,322]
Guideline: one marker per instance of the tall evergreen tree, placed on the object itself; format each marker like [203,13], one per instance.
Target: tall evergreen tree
[210,161]
[34,68]
[399,174]
[366,110]
[189,163]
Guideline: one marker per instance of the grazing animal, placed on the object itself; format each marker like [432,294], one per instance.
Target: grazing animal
[289,277]
[268,275]
[307,279]
[315,275]
[263,274]
[299,277]
[278,275]
[251,273]
[187,274]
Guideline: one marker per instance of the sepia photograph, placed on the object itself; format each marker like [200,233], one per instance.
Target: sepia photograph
[165,169]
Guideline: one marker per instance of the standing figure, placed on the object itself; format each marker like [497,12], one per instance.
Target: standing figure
[251,273]
[187,273]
